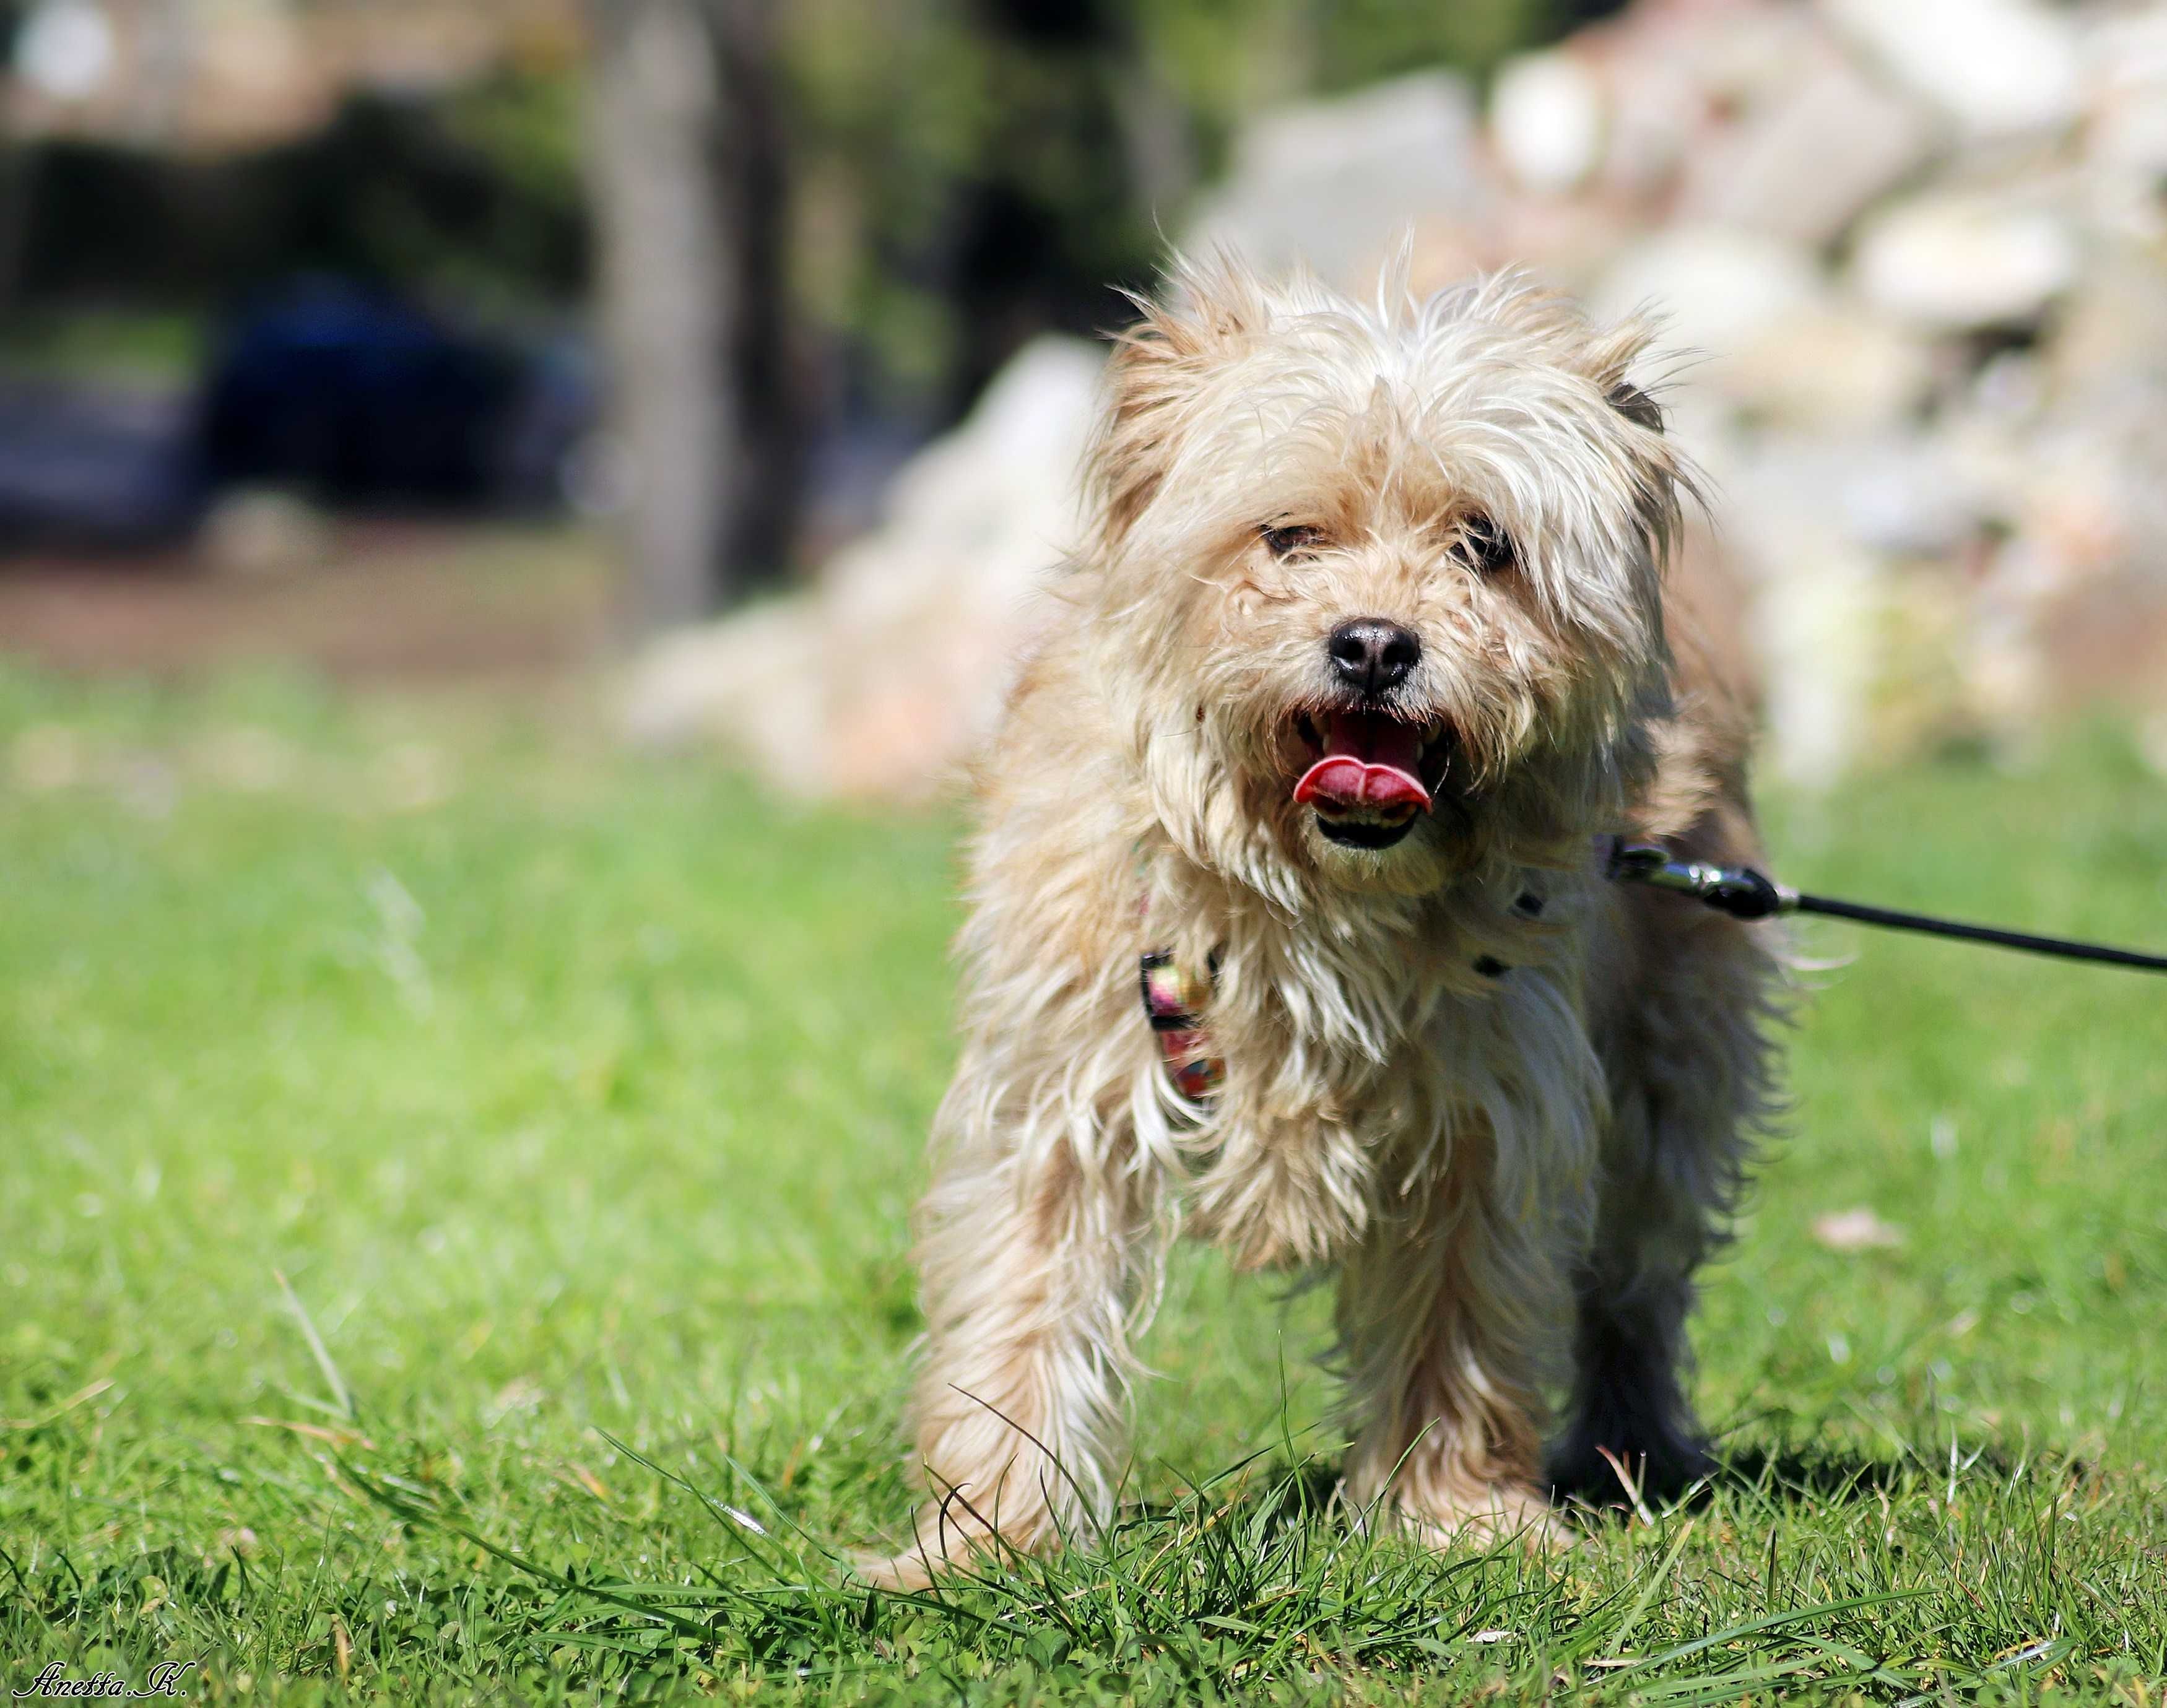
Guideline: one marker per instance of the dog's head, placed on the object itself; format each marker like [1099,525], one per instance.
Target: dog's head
[1378,588]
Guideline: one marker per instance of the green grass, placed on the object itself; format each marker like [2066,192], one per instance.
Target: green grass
[102,344]
[579,1103]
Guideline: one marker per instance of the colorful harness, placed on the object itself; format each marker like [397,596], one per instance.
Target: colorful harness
[1174,1003]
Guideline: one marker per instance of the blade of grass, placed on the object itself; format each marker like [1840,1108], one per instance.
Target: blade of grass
[342,1395]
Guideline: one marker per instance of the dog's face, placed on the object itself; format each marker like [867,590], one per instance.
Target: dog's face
[1380,592]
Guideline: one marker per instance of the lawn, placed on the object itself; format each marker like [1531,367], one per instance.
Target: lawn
[455,1181]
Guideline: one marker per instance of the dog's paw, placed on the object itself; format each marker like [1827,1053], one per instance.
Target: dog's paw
[1585,1470]
[1505,1513]
[913,1569]
[945,1544]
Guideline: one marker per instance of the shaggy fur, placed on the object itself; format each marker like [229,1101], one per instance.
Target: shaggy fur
[1513,1174]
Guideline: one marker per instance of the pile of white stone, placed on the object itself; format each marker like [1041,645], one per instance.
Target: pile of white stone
[878,681]
[1914,257]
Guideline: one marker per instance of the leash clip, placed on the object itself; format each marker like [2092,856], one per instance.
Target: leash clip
[1739,891]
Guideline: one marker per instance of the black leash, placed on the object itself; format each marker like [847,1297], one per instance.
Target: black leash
[1746,894]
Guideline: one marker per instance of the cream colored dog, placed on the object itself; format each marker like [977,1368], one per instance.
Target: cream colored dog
[1364,651]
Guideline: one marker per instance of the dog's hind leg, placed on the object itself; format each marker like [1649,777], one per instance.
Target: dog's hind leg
[1629,1403]
[1688,1059]
[1028,1279]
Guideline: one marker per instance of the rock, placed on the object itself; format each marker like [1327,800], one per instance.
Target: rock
[1333,184]
[1717,289]
[2068,609]
[879,680]
[261,534]
[756,682]
[1960,261]
[1547,119]
[2114,323]
[1833,368]
[1656,115]
[1998,67]
[1573,239]
[1805,164]
[1856,1231]
[2126,139]
[1676,71]
[2106,640]
[2127,68]
[1904,493]
[2093,482]
[1860,654]
[1818,607]
[1923,697]
[1909,496]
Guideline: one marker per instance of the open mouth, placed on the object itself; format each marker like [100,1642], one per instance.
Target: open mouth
[1370,776]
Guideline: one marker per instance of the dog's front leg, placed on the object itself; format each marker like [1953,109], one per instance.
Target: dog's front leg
[1029,1261]
[1442,1313]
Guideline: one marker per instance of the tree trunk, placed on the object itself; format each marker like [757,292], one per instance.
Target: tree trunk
[767,369]
[669,301]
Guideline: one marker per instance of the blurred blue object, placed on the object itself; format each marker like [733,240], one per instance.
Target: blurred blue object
[350,397]
[358,398]
[99,466]
[553,418]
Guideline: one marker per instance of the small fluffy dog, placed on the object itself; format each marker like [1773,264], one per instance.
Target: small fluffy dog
[1364,658]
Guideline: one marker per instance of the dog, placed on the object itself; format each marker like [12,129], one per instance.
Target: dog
[1366,653]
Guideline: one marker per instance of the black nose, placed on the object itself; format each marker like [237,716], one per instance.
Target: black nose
[1372,656]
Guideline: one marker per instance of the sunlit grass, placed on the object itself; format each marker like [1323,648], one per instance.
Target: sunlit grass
[578,1101]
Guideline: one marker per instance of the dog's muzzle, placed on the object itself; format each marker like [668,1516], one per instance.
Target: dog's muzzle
[1371,774]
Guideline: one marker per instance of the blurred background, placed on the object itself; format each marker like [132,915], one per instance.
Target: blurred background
[735,355]
[449,449]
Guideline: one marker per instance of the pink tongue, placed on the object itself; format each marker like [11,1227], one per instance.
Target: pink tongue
[1369,761]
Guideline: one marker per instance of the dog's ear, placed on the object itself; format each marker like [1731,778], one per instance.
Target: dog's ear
[1156,368]
[1666,481]
[1636,405]
[1611,358]
[1150,372]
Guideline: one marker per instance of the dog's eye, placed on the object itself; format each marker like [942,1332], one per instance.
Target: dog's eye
[1290,542]
[1485,546]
